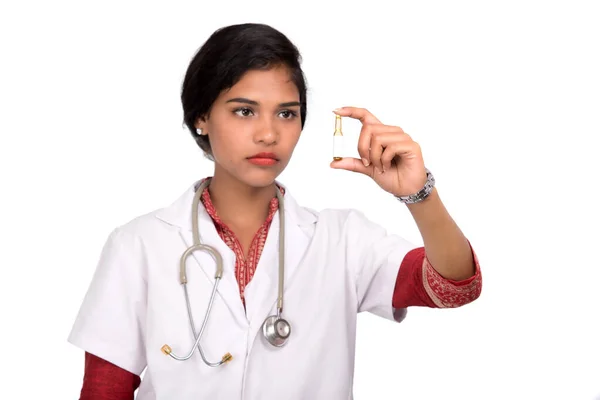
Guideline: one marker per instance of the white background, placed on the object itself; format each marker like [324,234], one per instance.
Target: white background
[502,96]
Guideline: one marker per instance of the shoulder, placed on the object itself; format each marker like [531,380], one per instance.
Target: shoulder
[126,244]
[354,229]
[327,218]
[343,221]
[163,219]
[139,225]
[347,217]
[136,234]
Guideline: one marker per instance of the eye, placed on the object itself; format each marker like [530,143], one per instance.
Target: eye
[243,112]
[288,114]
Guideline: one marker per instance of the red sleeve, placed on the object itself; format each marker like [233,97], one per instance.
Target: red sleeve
[419,284]
[105,381]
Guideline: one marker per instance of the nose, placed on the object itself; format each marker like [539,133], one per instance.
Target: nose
[266,132]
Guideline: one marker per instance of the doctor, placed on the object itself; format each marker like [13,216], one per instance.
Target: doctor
[282,318]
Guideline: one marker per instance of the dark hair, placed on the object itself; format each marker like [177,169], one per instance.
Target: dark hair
[224,58]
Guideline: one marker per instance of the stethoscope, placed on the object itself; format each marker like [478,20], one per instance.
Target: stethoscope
[276,329]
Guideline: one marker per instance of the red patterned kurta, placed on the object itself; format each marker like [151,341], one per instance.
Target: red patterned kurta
[417,284]
[245,264]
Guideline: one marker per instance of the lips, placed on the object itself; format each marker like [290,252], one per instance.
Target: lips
[264,159]
[271,156]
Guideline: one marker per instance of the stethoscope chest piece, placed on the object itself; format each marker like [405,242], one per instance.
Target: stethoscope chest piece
[276,330]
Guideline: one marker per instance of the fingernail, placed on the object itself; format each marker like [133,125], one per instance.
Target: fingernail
[336,110]
[365,162]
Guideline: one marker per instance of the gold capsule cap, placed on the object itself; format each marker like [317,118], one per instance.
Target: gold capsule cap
[338,125]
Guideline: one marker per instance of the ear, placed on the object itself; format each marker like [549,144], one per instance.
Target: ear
[201,126]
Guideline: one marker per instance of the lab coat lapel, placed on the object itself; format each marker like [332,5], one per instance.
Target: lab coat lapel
[228,289]
[180,215]
[261,292]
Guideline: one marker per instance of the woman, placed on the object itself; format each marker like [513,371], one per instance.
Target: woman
[244,101]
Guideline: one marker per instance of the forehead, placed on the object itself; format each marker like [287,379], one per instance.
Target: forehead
[274,85]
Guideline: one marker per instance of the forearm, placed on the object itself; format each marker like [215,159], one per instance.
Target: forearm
[446,247]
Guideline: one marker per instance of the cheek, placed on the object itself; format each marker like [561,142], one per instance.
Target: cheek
[291,136]
[224,147]
[227,135]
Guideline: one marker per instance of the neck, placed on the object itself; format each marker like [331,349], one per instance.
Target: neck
[237,203]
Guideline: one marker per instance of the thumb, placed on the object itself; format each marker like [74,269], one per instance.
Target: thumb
[352,164]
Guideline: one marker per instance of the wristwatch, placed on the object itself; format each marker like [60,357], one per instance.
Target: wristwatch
[421,194]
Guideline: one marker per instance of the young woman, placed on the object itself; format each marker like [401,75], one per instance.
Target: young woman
[283,317]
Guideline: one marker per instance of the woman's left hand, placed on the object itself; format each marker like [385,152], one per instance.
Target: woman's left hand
[389,155]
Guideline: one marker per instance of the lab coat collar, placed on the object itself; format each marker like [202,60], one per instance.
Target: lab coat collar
[179,213]
[261,292]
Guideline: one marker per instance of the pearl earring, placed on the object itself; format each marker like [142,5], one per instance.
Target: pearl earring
[199,131]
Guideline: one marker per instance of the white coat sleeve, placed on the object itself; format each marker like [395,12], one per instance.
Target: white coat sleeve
[378,256]
[111,319]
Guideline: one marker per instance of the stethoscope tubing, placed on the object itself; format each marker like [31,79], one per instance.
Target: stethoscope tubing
[218,275]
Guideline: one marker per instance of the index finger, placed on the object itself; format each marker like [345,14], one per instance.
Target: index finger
[361,114]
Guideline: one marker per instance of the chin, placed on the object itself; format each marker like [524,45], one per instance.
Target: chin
[259,178]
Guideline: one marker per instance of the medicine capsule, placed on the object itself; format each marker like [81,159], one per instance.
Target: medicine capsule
[338,139]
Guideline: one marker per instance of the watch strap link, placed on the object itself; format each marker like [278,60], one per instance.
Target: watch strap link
[421,194]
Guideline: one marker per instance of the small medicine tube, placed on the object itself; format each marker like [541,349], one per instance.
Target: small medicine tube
[338,139]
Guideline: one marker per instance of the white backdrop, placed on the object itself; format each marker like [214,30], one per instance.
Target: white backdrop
[502,96]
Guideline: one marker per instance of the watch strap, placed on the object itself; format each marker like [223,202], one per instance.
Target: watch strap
[421,194]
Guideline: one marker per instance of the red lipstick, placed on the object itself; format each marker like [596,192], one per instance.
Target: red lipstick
[263,159]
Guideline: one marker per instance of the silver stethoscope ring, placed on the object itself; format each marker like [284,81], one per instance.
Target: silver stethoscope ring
[276,330]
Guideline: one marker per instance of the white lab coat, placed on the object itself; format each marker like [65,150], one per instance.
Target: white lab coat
[337,263]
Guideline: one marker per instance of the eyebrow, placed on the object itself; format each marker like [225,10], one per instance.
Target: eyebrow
[255,103]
